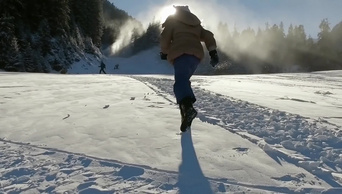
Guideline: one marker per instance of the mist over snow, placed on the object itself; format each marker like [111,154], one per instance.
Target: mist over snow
[119,132]
[253,34]
[146,62]
[250,13]
[125,35]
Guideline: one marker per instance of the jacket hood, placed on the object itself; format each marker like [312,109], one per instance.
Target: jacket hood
[185,17]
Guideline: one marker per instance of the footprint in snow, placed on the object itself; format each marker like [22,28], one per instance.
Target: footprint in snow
[241,150]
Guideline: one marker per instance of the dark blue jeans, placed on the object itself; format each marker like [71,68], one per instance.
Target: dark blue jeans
[184,67]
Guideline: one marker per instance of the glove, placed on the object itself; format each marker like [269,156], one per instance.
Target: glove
[163,56]
[214,58]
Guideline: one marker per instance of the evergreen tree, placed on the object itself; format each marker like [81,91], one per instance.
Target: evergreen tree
[45,37]
[336,36]
[88,14]
[149,39]
[323,35]
[8,42]
[28,60]
[325,45]
[299,36]
[279,48]
[11,8]
[58,16]
[290,33]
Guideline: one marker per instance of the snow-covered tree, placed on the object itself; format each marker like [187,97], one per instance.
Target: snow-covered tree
[9,48]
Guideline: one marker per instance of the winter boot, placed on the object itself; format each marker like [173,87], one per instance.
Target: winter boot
[182,113]
[188,114]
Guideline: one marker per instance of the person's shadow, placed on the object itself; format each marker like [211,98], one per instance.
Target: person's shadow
[191,178]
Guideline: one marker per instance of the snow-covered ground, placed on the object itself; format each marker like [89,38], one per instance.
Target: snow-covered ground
[119,132]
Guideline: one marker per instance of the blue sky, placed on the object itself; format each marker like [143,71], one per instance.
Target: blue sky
[246,13]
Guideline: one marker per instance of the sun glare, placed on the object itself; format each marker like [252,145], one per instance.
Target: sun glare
[165,12]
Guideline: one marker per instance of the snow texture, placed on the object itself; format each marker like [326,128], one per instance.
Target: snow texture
[119,132]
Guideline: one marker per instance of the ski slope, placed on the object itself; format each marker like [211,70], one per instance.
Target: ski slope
[119,132]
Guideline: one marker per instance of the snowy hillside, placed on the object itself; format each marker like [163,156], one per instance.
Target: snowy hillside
[146,62]
[119,133]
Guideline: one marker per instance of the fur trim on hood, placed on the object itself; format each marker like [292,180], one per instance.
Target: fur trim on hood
[183,8]
[183,15]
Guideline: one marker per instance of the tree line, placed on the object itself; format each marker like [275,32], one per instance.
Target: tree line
[273,50]
[50,35]
[268,50]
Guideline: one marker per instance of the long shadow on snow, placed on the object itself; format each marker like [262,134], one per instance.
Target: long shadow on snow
[237,115]
[191,178]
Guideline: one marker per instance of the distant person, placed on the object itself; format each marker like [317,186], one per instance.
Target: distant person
[102,66]
[116,66]
[180,44]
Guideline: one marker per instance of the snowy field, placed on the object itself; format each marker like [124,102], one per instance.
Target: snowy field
[119,133]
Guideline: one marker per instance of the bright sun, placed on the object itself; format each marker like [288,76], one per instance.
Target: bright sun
[165,12]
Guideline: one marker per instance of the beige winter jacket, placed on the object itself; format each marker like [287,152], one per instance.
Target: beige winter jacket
[183,34]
